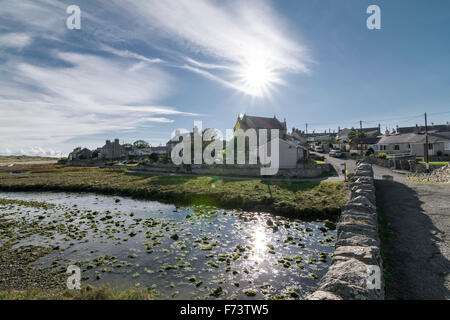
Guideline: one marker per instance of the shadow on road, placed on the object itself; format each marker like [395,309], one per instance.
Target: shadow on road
[415,267]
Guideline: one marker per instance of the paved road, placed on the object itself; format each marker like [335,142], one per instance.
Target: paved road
[418,217]
[351,165]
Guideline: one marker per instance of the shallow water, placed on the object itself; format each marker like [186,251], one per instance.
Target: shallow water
[183,253]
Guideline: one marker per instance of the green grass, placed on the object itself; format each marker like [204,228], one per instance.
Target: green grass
[306,199]
[9,159]
[434,163]
[87,293]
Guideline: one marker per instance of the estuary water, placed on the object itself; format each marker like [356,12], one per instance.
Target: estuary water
[194,252]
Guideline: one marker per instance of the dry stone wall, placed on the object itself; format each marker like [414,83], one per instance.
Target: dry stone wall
[441,175]
[356,271]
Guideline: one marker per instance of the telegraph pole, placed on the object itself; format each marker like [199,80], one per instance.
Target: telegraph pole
[306,128]
[360,136]
[426,144]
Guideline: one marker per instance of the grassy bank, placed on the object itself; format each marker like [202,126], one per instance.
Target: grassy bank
[306,199]
[86,293]
[18,159]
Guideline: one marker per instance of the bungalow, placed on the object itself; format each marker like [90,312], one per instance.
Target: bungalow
[414,144]
[358,144]
[368,132]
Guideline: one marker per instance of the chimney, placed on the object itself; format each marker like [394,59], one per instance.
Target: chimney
[417,129]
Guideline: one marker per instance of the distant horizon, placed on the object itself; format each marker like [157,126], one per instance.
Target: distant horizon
[289,130]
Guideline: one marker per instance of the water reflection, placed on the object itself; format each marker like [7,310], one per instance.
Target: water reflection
[185,253]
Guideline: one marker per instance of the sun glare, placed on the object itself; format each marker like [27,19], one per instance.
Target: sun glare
[256,77]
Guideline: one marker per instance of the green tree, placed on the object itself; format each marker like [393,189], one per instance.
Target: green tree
[141,144]
[356,134]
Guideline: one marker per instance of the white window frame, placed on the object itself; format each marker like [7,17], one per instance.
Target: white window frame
[447,146]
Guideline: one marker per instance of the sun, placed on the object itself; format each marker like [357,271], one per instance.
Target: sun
[256,77]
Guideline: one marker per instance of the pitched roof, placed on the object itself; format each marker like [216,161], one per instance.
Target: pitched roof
[435,128]
[415,138]
[262,122]
[366,140]
[366,130]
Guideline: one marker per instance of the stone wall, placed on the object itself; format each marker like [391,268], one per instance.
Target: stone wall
[357,252]
[408,164]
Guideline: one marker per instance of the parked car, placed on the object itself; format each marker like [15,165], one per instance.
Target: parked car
[318,149]
[335,153]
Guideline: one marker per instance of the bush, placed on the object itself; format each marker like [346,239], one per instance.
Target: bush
[164,159]
[439,153]
[369,152]
[154,157]
[382,155]
[354,154]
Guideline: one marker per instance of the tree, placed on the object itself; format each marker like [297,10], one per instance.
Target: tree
[95,154]
[355,134]
[141,144]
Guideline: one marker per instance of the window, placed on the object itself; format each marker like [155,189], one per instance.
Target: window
[430,146]
[447,146]
[409,146]
[396,147]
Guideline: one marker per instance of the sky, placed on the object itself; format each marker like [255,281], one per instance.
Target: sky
[140,69]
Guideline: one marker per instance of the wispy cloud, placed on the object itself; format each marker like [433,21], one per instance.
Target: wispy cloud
[15,40]
[117,72]
[129,54]
[93,95]
[231,35]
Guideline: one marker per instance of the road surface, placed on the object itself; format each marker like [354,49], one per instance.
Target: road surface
[418,227]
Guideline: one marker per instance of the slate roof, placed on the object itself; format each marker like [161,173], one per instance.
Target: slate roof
[262,123]
[366,140]
[415,138]
[435,128]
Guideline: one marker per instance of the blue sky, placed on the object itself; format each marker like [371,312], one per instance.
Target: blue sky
[141,69]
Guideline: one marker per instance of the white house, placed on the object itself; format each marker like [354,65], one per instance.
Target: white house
[289,153]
